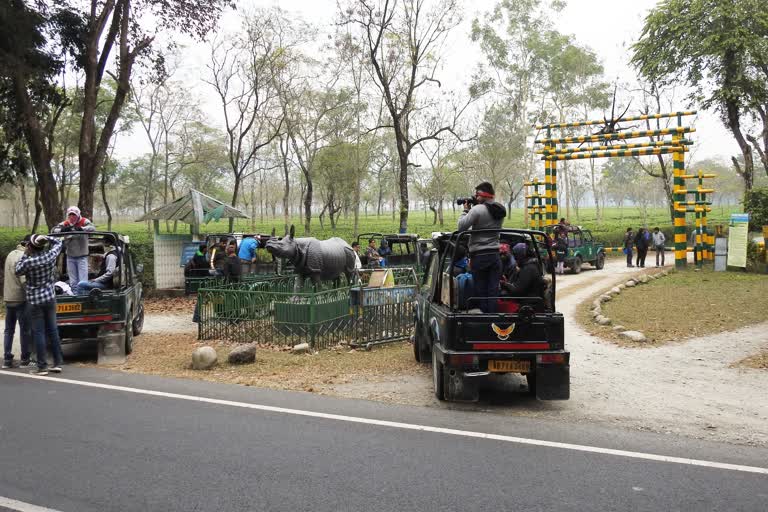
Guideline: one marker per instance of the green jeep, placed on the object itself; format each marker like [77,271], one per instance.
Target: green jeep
[110,318]
[582,248]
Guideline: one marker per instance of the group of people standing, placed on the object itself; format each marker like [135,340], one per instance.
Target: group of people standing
[642,240]
[30,282]
[30,302]
[225,259]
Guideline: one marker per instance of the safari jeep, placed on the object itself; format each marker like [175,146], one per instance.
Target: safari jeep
[466,345]
[582,248]
[109,318]
[405,249]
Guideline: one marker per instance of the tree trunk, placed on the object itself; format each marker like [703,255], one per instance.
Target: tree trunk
[308,205]
[104,200]
[403,181]
[734,124]
[38,211]
[286,186]
[235,194]
[434,214]
[24,202]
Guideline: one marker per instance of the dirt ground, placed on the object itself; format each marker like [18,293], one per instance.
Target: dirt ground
[692,388]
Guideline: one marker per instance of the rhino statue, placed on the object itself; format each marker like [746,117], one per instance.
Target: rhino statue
[319,260]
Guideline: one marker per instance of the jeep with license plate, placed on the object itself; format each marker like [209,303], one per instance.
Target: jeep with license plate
[519,334]
[109,317]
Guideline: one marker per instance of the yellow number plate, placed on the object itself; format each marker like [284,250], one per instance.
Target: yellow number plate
[69,308]
[509,366]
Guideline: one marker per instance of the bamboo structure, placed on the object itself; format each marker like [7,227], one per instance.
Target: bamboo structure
[598,145]
[535,204]
[700,205]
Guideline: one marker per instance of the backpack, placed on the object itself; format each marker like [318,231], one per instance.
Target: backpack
[466,289]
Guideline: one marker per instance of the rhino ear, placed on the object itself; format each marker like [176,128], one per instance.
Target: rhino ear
[292,232]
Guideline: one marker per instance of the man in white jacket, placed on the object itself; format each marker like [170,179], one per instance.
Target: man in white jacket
[15,299]
[658,245]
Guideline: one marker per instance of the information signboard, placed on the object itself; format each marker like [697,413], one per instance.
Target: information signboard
[738,235]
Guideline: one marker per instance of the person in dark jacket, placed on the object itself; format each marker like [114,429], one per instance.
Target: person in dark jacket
[561,251]
[629,239]
[527,281]
[231,268]
[641,242]
[197,266]
[485,260]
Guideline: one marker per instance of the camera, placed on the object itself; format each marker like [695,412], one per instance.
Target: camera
[471,200]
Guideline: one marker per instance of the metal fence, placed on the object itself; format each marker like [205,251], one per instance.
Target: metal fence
[270,311]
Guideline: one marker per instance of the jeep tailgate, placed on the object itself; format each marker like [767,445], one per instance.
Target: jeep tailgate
[509,332]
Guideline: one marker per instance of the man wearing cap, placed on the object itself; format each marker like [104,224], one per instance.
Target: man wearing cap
[485,261]
[76,246]
[109,267]
[37,266]
[15,308]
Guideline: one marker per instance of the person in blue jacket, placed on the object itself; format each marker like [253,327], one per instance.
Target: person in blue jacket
[247,254]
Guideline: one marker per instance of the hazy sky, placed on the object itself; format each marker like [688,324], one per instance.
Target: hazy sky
[607,27]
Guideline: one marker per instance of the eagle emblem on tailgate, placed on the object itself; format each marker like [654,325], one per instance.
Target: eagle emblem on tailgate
[503,334]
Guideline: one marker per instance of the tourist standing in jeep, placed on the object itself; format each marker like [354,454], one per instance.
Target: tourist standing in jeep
[75,246]
[485,261]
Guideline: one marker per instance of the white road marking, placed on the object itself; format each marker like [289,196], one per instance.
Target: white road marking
[406,426]
[22,507]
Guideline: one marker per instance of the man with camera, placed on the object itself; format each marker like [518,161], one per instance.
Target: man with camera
[482,212]
[37,265]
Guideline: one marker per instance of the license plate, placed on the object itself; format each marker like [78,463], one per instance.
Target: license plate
[69,308]
[509,366]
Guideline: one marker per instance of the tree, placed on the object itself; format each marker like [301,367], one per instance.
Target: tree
[31,101]
[718,48]
[85,35]
[241,75]
[403,40]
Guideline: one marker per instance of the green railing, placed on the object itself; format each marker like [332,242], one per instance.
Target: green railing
[271,312]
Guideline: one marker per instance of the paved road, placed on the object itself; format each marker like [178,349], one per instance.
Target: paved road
[79,448]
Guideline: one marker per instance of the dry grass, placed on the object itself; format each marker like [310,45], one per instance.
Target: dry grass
[758,362]
[170,355]
[684,305]
[169,305]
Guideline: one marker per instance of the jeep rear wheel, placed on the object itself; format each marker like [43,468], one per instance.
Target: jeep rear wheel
[138,322]
[576,267]
[420,348]
[438,376]
[600,261]
[128,336]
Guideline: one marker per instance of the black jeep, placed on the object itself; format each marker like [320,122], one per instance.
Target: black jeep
[465,344]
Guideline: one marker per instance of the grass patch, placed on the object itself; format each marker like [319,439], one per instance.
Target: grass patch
[171,355]
[758,362]
[686,304]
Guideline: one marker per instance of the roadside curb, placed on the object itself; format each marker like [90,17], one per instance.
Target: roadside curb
[596,309]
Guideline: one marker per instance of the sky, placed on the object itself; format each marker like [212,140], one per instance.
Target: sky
[607,28]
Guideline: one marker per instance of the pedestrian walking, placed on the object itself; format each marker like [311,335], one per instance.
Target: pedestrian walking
[15,300]
[658,245]
[641,243]
[37,265]
[561,251]
[629,238]
[75,246]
